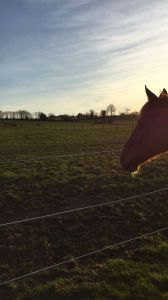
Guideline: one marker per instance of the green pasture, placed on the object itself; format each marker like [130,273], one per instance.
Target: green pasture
[51,167]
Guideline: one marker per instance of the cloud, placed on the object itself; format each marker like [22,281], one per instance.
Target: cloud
[81,53]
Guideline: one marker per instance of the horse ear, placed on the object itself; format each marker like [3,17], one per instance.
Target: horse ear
[151,96]
[164,91]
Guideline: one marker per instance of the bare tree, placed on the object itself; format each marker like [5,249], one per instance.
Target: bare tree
[36,114]
[103,113]
[111,109]
[92,114]
[24,114]
[127,111]
[5,115]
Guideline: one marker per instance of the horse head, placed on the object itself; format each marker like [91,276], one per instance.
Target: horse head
[150,136]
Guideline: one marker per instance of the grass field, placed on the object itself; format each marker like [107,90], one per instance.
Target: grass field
[41,172]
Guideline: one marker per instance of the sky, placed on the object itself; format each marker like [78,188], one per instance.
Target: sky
[70,56]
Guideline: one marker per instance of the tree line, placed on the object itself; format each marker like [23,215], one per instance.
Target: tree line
[92,114]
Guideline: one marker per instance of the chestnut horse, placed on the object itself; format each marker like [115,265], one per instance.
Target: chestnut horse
[150,136]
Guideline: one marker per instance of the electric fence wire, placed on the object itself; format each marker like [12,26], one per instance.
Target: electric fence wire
[59,156]
[83,256]
[80,208]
